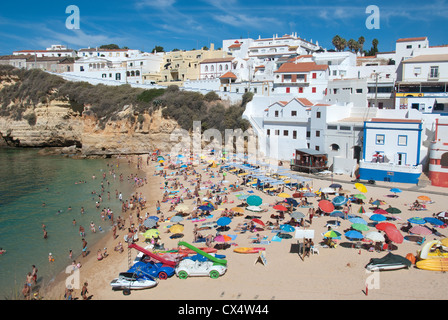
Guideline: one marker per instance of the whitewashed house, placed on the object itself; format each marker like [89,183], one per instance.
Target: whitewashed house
[391,150]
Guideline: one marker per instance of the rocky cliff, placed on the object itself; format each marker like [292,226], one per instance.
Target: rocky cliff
[55,124]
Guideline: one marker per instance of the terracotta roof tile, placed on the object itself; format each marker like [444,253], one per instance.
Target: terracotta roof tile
[228,75]
[411,39]
[291,67]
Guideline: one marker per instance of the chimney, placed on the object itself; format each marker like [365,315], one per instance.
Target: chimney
[212,46]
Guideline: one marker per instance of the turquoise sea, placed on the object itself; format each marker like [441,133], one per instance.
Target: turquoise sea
[27,181]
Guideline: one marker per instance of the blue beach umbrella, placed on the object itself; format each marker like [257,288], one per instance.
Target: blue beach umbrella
[357,220]
[353,234]
[377,217]
[154,218]
[223,221]
[254,200]
[338,214]
[176,219]
[395,190]
[433,221]
[205,208]
[339,201]
[417,220]
[292,201]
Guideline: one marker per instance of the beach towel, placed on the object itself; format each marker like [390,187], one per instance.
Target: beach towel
[265,242]
[232,236]
[276,238]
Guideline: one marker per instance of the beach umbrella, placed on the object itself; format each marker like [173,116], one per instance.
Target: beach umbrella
[375,236]
[297,215]
[151,233]
[353,234]
[291,201]
[332,234]
[361,210]
[155,218]
[222,238]
[177,228]
[339,200]
[338,214]
[279,207]
[335,186]
[383,225]
[362,188]
[176,219]
[243,196]
[394,234]
[150,223]
[309,194]
[284,195]
[424,198]
[205,208]
[393,210]
[328,190]
[420,230]
[360,196]
[433,221]
[223,221]
[297,195]
[258,221]
[254,200]
[238,209]
[360,227]
[417,220]
[443,214]
[326,206]
[377,217]
[357,220]
[254,208]
[395,190]
[378,203]
[287,228]
[380,211]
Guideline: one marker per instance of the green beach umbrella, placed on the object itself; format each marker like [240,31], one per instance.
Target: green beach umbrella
[360,227]
[332,234]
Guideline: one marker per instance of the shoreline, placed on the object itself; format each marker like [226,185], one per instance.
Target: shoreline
[332,274]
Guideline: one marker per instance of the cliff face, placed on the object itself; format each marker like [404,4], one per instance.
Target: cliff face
[55,124]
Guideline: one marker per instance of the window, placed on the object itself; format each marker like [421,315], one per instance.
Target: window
[206,68]
[285,133]
[277,132]
[332,127]
[276,113]
[317,133]
[268,132]
[317,148]
[409,46]
[334,147]
[294,134]
[379,139]
[402,140]
[314,75]
[308,134]
[313,89]
[346,128]
[288,90]
[293,113]
[335,72]
[358,90]
[434,73]
[300,90]
[417,70]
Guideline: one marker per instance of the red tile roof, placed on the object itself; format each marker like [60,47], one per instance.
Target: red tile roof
[228,59]
[291,67]
[228,75]
[300,57]
[395,120]
[305,102]
[411,39]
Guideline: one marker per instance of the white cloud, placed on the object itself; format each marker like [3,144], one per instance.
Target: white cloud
[160,4]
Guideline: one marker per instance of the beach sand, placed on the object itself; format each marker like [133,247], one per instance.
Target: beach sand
[335,273]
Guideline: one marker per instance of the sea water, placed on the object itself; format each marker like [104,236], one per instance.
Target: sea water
[40,190]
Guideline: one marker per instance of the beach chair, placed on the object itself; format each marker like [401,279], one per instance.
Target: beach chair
[314,250]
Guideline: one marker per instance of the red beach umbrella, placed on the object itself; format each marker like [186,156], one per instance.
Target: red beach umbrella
[279,207]
[421,230]
[258,221]
[297,195]
[380,211]
[382,225]
[393,234]
[326,206]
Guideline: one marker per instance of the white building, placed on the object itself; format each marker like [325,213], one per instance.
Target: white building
[215,68]
[391,150]
[53,51]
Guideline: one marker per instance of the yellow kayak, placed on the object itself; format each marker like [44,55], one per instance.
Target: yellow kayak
[248,250]
[433,264]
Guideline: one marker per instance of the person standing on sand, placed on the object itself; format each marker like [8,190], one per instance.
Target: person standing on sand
[84,291]
[34,273]
[84,247]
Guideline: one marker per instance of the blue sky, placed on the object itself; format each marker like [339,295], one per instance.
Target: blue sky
[188,24]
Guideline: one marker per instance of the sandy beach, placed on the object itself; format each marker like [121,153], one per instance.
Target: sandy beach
[334,273]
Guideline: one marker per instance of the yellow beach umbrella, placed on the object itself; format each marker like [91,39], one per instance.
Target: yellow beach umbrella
[151,233]
[177,228]
[362,188]
[238,209]
[284,195]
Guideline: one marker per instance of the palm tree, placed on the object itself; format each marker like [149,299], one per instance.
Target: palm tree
[361,41]
[351,44]
[375,44]
[343,44]
[336,42]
